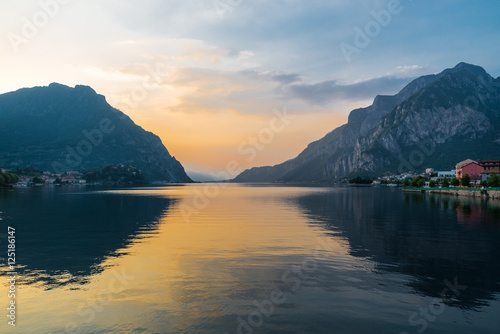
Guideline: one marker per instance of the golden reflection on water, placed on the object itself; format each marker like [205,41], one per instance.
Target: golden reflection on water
[239,241]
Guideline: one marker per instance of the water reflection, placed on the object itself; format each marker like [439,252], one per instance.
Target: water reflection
[63,236]
[476,211]
[375,257]
[432,238]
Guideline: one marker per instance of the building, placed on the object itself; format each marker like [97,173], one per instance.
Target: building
[70,179]
[471,167]
[448,174]
[429,171]
[24,181]
[489,167]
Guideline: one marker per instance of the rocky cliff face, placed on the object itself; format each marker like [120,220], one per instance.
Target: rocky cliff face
[61,128]
[435,121]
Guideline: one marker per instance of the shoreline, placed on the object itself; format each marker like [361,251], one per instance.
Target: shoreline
[465,192]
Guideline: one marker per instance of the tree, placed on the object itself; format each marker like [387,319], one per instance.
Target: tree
[446,183]
[484,183]
[455,182]
[493,181]
[414,182]
[2,180]
[360,180]
[406,182]
[10,178]
[15,178]
[465,181]
[38,180]
[6,178]
[432,184]
[421,183]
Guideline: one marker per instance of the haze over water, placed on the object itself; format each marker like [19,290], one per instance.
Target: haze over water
[255,259]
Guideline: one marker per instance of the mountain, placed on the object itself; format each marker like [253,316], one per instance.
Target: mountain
[60,128]
[435,121]
[202,177]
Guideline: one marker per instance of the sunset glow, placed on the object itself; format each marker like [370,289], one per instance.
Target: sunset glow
[178,69]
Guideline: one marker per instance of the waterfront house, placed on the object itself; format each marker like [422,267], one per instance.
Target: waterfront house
[489,167]
[471,167]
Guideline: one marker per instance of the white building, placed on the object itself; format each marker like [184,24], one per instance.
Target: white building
[451,173]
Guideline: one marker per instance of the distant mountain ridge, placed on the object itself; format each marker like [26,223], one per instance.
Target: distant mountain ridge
[436,120]
[61,128]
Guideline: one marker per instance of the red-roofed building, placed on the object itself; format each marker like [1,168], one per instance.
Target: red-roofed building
[471,167]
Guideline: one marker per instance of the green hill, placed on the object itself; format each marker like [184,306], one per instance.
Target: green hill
[59,128]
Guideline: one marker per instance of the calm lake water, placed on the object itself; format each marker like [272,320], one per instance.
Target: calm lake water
[251,259]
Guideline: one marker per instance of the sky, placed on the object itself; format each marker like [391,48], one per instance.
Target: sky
[233,84]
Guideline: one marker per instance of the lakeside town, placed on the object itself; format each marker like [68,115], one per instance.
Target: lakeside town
[46,177]
[467,173]
[116,174]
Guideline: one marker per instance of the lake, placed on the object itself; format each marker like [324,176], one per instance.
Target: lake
[250,259]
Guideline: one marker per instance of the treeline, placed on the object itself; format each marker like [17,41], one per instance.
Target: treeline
[115,175]
[360,180]
[493,181]
[28,171]
[8,178]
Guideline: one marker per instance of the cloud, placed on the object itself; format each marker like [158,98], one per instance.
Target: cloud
[219,90]
[409,68]
[287,78]
[331,90]
[267,76]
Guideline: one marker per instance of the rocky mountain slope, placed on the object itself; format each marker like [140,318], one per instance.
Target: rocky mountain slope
[436,120]
[60,128]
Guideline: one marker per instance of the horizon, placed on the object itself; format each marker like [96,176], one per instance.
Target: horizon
[179,72]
